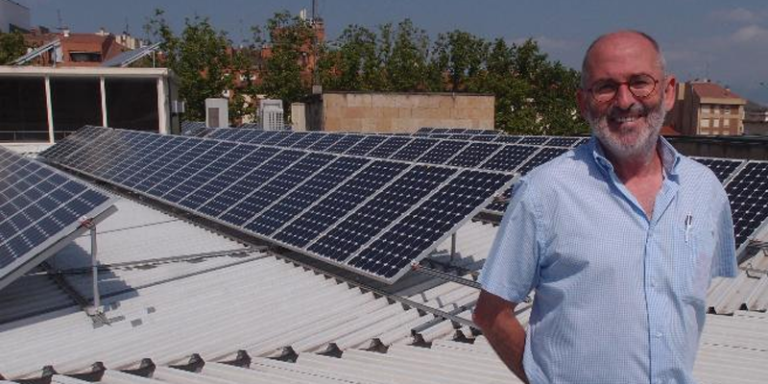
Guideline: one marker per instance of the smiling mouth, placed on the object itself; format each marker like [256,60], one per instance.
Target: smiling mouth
[625,119]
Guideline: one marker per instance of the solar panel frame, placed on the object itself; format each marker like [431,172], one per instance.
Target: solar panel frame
[41,213]
[747,193]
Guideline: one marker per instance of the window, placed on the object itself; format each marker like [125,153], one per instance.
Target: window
[705,109]
[715,109]
[704,123]
[85,57]
[726,109]
[23,110]
[727,123]
[76,102]
[125,110]
[715,123]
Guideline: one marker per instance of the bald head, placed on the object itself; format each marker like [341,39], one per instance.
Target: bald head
[617,40]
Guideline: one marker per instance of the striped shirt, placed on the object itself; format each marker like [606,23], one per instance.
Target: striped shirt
[620,298]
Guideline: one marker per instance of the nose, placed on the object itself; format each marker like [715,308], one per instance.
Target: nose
[624,98]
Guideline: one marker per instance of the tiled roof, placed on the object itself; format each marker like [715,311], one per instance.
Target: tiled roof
[712,90]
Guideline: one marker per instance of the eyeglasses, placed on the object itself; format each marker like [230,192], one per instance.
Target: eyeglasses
[641,86]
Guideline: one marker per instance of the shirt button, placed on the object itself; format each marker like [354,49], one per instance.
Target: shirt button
[658,335]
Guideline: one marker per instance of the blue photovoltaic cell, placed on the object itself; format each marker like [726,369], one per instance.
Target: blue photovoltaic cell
[748,194]
[261,198]
[305,195]
[292,139]
[566,142]
[506,139]
[441,152]
[483,138]
[365,145]
[425,130]
[325,142]
[422,228]
[414,149]
[171,149]
[338,203]
[546,154]
[509,158]
[533,140]
[722,168]
[345,143]
[474,154]
[383,209]
[38,207]
[207,167]
[234,193]
[248,163]
[389,147]
[308,140]
[275,138]
[206,153]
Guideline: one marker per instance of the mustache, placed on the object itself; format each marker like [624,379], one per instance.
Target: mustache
[634,110]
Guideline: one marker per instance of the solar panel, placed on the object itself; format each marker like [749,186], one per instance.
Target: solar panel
[534,140]
[292,139]
[274,138]
[424,130]
[250,126]
[414,149]
[344,143]
[541,157]
[441,152]
[482,138]
[325,142]
[748,194]
[722,168]
[509,158]
[40,210]
[389,147]
[324,205]
[384,208]
[308,140]
[368,143]
[474,154]
[460,137]
[566,142]
[429,224]
[506,139]
[337,204]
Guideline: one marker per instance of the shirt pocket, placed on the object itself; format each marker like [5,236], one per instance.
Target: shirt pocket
[694,251]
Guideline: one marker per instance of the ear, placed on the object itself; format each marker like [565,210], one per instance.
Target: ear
[582,99]
[670,93]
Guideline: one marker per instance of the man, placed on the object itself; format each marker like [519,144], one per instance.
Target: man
[619,239]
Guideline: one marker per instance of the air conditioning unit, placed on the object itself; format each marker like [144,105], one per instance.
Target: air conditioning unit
[271,115]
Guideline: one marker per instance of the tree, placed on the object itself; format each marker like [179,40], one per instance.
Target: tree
[406,63]
[355,62]
[12,46]
[289,49]
[200,57]
[461,55]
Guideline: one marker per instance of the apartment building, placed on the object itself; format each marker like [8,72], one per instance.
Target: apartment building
[707,109]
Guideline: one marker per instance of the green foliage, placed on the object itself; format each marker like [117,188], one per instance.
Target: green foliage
[199,57]
[11,47]
[461,55]
[290,42]
[406,64]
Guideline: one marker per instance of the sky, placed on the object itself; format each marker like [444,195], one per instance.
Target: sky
[725,41]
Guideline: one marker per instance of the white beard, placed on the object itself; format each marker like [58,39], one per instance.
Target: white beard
[629,143]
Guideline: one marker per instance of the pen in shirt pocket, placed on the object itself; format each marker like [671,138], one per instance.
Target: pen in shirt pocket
[688,225]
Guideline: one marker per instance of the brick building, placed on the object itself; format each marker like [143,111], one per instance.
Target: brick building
[708,109]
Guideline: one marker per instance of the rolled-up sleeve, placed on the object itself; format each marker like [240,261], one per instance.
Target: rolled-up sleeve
[512,268]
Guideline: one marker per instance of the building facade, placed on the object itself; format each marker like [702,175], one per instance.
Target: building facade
[397,112]
[75,49]
[43,104]
[707,109]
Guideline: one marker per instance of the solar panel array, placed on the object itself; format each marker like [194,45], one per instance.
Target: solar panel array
[346,210]
[39,208]
[748,193]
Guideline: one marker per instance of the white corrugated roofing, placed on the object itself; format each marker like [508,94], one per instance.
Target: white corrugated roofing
[175,290]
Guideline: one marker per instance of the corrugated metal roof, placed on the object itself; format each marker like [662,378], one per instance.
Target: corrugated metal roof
[167,307]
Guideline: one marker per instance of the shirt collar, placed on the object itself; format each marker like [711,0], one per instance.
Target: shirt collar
[670,158]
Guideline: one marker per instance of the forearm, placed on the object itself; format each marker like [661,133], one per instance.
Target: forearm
[507,337]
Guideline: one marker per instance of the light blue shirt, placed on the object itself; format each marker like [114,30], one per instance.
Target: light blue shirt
[619,298]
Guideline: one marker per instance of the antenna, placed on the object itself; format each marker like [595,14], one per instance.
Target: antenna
[314,10]
[127,27]
[61,23]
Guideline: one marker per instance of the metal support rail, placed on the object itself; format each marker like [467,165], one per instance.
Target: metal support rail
[445,276]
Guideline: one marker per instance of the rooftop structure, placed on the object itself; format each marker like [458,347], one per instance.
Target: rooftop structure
[188,300]
[708,109]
